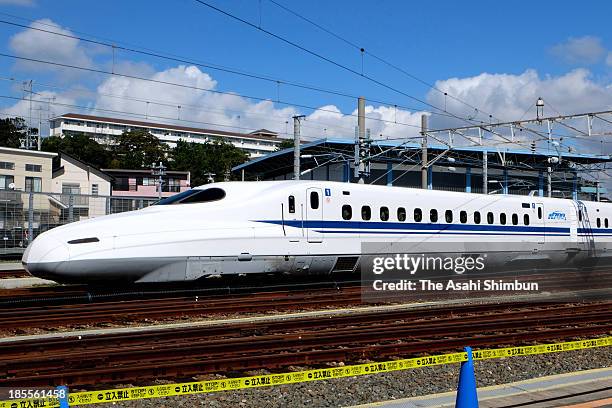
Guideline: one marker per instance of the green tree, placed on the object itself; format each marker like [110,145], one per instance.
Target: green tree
[285,144]
[80,146]
[12,130]
[137,149]
[201,158]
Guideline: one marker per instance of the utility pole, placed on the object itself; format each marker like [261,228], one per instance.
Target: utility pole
[424,181]
[296,146]
[160,171]
[362,144]
[485,172]
[549,180]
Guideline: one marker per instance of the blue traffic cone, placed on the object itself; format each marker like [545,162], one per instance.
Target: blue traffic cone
[466,390]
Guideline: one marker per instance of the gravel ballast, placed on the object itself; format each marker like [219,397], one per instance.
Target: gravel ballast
[388,386]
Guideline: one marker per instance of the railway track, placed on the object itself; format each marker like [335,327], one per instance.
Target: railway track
[20,316]
[229,347]
[13,273]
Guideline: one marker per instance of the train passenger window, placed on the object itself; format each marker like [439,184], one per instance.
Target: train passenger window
[606,223]
[418,215]
[476,217]
[384,213]
[490,218]
[314,200]
[291,204]
[526,219]
[514,219]
[433,215]
[502,218]
[539,213]
[598,222]
[463,217]
[366,212]
[347,212]
[448,215]
[401,214]
[580,215]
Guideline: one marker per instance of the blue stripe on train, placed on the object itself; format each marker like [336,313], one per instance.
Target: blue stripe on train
[436,232]
[365,225]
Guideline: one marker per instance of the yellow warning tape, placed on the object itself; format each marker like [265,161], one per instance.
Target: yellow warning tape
[226,384]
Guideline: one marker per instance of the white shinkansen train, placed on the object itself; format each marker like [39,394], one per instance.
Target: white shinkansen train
[311,227]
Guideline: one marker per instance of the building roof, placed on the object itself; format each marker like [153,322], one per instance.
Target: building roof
[276,162]
[11,150]
[144,171]
[120,121]
[83,165]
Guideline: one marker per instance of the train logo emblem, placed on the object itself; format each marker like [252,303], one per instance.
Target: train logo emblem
[557,215]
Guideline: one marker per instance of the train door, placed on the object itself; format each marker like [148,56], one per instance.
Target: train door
[541,222]
[314,214]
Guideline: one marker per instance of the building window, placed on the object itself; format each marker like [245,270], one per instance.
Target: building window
[418,215]
[314,200]
[476,217]
[71,188]
[7,165]
[401,214]
[347,212]
[463,217]
[502,218]
[490,218]
[6,181]
[514,219]
[94,189]
[33,184]
[526,219]
[366,213]
[433,215]
[33,167]
[149,181]
[384,213]
[291,204]
[448,215]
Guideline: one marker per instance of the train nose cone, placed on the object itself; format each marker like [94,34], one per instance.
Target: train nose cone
[44,256]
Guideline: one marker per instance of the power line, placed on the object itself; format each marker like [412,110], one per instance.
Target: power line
[99,71]
[136,114]
[367,52]
[184,60]
[197,108]
[326,59]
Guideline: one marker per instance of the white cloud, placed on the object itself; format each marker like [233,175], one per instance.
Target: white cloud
[508,96]
[582,50]
[27,3]
[49,47]
[232,112]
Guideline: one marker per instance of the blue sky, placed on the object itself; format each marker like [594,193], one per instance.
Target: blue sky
[496,56]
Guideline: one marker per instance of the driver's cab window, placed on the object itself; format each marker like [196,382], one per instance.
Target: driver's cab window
[314,200]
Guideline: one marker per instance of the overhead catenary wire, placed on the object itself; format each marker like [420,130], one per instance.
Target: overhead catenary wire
[363,50]
[140,115]
[327,59]
[168,104]
[104,72]
[235,71]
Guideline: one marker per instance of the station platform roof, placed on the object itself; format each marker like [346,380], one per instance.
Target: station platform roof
[396,151]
